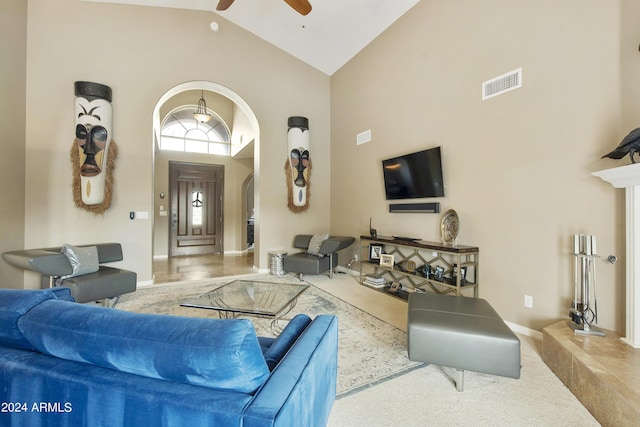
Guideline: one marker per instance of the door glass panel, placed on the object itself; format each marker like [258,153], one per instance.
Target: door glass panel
[197,202]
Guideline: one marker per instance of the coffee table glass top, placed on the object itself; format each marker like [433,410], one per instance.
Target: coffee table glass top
[250,297]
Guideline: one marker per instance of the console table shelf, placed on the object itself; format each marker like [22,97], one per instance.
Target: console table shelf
[458,265]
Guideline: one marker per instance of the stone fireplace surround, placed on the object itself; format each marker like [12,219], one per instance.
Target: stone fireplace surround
[604,372]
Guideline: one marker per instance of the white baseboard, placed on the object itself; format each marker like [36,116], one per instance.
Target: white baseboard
[525,331]
[346,270]
[242,252]
[145,283]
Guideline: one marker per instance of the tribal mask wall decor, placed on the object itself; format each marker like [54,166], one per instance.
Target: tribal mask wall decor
[298,165]
[93,152]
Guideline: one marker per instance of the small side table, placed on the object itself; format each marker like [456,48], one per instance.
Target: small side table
[276,262]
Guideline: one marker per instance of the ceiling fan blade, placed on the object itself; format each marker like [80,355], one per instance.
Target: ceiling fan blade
[303,7]
[224,4]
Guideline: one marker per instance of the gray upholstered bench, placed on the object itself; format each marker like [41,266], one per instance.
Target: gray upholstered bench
[462,333]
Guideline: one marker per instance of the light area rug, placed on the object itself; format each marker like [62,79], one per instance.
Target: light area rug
[370,351]
[427,396]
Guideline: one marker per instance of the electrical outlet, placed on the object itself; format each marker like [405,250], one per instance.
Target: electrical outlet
[528,301]
[355,257]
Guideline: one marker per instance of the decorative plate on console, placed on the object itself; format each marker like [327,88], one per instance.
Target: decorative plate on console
[449,226]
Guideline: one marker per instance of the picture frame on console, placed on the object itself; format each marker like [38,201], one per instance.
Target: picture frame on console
[375,251]
[424,270]
[386,260]
[439,274]
[462,272]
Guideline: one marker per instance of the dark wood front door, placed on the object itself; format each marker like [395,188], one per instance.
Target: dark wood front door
[196,193]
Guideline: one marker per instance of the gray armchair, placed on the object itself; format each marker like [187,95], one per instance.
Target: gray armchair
[104,284]
[308,262]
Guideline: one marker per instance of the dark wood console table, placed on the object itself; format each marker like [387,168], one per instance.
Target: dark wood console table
[457,265]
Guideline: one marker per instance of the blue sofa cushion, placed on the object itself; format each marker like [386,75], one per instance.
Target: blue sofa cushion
[13,304]
[216,353]
[279,347]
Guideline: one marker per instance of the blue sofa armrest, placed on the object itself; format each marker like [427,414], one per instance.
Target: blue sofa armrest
[302,387]
[275,349]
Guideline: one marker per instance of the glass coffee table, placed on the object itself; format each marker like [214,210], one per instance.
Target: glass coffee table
[262,299]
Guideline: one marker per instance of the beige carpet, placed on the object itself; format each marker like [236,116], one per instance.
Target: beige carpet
[427,396]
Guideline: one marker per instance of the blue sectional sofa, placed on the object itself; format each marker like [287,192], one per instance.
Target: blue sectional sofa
[69,364]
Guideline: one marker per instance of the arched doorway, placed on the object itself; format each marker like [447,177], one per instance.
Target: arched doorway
[240,145]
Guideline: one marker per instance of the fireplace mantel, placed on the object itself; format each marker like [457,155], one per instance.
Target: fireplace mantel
[621,177]
[628,177]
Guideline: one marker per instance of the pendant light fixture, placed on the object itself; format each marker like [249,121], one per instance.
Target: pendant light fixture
[202,115]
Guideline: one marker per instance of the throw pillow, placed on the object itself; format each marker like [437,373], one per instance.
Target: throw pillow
[315,243]
[83,260]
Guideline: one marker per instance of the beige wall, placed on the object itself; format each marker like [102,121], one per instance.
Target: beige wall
[630,59]
[243,135]
[13,21]
[141,53]
[518,166]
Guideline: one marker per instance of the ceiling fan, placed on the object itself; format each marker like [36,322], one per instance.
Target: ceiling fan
[303,7]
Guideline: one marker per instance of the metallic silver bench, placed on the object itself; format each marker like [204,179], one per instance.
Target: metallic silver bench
[462,333]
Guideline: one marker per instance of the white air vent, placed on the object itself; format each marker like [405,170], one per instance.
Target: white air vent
[363,137]
[502,84]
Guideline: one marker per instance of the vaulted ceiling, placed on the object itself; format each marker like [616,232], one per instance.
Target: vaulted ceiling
[327,38]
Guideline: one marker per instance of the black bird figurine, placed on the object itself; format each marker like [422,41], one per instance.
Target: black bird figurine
[629,145]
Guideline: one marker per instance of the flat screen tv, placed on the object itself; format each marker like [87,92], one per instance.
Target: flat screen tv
[414,176]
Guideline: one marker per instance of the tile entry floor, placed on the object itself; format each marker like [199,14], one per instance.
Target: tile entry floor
[177,269]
